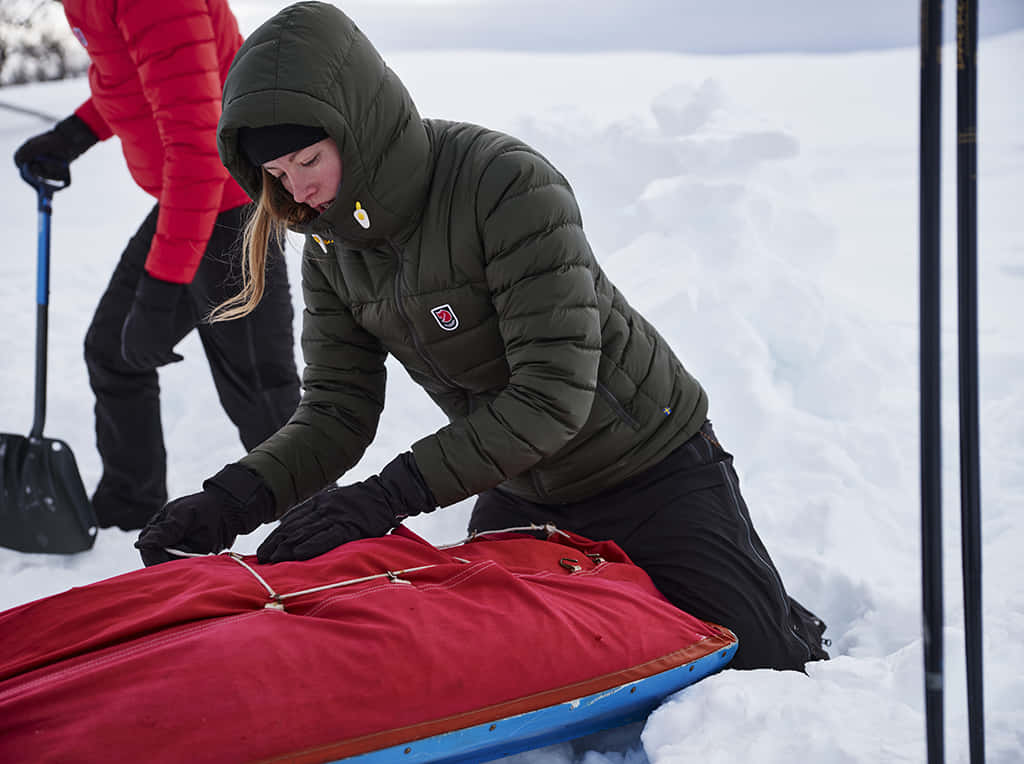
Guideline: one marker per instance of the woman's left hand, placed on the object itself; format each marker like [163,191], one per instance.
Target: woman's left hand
[336,516]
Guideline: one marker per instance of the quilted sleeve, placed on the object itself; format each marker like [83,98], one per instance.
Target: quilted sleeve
[343,396]
[173,46]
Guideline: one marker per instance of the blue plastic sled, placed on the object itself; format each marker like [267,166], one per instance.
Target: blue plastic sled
[625,704]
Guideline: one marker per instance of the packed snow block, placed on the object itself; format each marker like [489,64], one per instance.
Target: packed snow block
[387,649]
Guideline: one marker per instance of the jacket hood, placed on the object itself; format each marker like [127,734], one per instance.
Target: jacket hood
[311,65]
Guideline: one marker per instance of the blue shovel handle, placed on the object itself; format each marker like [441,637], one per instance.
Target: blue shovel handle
[46,175]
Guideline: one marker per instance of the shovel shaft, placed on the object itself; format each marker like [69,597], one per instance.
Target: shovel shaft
[46,176]
[42,314]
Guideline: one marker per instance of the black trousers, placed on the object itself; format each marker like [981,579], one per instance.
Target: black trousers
[252,361]
[685,523]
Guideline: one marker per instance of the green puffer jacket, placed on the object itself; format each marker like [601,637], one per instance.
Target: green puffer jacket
[473,271]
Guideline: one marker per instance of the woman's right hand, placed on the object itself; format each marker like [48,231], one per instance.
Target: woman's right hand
[234,501]
[67,141]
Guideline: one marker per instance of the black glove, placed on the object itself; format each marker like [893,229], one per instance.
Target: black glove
[234,501]
[68,139]
[336,516]
[148,334]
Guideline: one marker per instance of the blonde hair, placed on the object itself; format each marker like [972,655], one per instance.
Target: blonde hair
[274,213]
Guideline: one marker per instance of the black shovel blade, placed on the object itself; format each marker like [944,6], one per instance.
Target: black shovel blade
[43,504]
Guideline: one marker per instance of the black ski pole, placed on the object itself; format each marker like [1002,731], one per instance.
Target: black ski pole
[931,430]
[967,290]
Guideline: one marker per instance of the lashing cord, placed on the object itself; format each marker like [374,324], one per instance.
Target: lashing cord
[277,599]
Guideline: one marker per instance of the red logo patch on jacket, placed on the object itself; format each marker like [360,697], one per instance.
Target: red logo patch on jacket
[445,317]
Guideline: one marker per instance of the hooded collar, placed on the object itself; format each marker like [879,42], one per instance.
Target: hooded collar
[311,65]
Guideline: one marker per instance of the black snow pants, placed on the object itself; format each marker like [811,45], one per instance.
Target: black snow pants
[685,523]
[252,360]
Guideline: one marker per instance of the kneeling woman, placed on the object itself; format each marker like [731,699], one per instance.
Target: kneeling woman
[460,251]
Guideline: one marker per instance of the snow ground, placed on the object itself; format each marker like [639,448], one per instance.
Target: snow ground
[761,210]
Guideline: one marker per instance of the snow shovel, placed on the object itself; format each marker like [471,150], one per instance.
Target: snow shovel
[43,504]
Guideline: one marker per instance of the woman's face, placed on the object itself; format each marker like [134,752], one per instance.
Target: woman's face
[311,175]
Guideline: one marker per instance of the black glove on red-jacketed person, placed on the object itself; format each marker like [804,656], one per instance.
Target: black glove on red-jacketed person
[67,141]
[233,502]
[336,516]
[149,334]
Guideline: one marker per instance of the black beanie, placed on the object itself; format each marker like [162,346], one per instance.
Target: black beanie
[261,144]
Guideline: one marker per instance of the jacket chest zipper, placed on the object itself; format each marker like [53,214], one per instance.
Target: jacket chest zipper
[400,307]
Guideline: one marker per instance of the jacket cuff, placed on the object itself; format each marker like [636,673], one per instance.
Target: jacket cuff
[402,476]
[88,113]
[444,485]
[174,259]
[247,490]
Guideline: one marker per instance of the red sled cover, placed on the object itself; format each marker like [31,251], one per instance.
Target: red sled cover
[376,643]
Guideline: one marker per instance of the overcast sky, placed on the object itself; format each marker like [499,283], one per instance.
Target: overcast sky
[692,26]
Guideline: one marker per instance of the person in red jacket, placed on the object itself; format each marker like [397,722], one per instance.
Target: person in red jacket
[155,76]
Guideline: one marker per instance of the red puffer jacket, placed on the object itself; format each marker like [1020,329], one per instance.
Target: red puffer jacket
[156,76]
